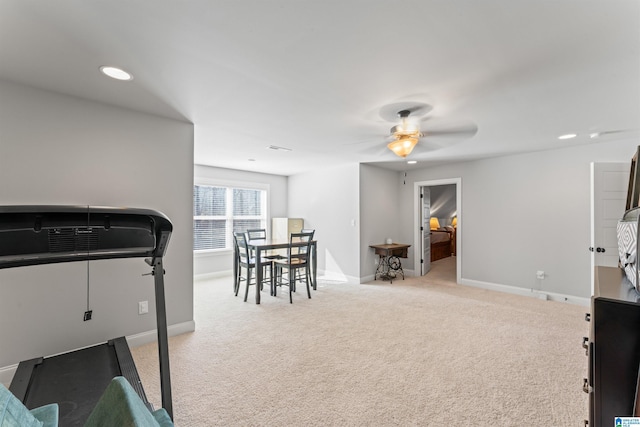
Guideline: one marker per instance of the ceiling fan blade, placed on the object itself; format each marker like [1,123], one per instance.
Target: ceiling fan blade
[445,127]
[369,140]
[426,145]
[613,134]
[376,150]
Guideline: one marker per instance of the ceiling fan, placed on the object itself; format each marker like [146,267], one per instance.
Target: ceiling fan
[406,134]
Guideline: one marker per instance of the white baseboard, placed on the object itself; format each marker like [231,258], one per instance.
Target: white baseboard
[335,277]
[215,275]
[7,372]
[409,273]
[328,276]
[372,277]
[367,279]
[152,335]
[551,296]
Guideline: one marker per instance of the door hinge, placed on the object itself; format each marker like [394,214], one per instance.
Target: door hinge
[421,261]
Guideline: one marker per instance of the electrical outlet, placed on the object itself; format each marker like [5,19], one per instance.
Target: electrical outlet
[143,307]
[539,274]
[87,315]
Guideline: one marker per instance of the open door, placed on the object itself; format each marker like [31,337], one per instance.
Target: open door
[609,182]
[425,197]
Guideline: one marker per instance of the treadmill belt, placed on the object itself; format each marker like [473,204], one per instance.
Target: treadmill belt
[75,381]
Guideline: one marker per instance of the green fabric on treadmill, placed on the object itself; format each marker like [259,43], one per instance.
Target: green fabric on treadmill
[48,414]
[162,417]
[121,406]
[14,414]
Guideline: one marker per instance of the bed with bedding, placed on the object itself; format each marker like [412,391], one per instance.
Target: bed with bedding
[443,243]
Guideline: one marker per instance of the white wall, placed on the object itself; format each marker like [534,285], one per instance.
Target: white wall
[57,149]
[524,213]
[328,201]
[220,262]
[379,213]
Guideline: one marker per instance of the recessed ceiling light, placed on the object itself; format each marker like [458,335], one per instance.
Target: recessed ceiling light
[116,73]
[568,136]
[412,162]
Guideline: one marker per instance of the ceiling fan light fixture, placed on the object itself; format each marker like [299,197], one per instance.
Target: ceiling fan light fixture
[403,145]
[405,128]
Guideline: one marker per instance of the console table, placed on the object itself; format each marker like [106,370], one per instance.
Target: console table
[389,265]
[613,348]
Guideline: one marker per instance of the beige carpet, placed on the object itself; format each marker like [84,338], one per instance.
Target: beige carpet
[423,351]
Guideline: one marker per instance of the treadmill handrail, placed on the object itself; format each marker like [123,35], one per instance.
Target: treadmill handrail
[38,234]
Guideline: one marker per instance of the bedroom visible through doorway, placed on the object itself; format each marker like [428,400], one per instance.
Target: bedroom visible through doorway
[438,226]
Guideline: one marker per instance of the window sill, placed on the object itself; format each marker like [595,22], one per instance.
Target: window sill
[212,253]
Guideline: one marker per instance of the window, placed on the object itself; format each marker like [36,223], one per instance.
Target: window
[218,211]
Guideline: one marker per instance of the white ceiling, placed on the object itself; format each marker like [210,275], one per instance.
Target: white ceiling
[313,75]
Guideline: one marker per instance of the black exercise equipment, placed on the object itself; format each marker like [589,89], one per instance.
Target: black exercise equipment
[33,235]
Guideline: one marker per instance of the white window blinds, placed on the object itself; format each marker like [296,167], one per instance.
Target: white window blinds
[219,211]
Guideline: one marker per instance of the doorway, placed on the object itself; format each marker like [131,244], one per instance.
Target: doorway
[609,186]
[420,227]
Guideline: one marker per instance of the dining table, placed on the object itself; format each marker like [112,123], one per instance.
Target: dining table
[262,246]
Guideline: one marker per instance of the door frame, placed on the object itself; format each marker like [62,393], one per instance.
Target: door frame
[417,208]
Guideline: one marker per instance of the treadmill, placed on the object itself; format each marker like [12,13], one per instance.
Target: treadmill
[34,235]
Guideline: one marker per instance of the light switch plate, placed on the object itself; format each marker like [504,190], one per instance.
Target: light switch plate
[143,307]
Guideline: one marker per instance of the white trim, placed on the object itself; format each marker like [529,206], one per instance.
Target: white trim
[336,277]
[214,275]
[372,277]
[204,253]
[152,335]
[367,279]
[416,221]
[552,296]
[214,182]
[7,372]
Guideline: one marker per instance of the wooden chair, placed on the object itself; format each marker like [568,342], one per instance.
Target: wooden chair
[298,258]
[259,234]
[308,270]
[249,263]
[256,233]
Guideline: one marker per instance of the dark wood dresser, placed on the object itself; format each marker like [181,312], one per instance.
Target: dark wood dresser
[613,348]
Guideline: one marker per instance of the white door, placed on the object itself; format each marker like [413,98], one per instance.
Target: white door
[425,230]
[609,182]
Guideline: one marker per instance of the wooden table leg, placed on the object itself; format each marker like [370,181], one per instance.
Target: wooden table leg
[314,267]
[258,274]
